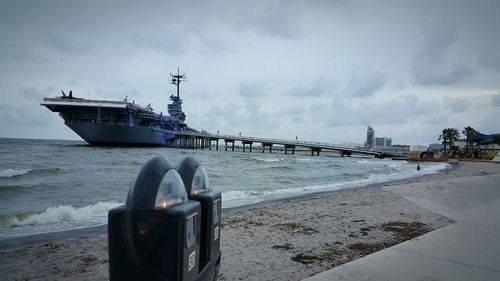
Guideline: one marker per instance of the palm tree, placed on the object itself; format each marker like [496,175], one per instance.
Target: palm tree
[470,134]
[449,134]
[444,137]
[454,150]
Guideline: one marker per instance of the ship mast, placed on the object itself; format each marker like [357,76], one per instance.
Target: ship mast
[175,108]
[176,80]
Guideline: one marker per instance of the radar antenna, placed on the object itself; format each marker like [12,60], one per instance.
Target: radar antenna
[176,79]
[175,108]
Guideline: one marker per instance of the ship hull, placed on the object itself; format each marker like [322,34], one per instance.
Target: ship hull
[121,135]
[120,122]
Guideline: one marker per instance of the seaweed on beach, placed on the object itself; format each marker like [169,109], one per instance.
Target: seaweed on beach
[305,259]
[338,253]
[406,231]
[286,247]
[293,227]
[332,255]
[364,249]
[86,262]
[238,222]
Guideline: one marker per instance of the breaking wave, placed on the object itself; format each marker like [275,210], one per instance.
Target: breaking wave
[10,173]
[95,212]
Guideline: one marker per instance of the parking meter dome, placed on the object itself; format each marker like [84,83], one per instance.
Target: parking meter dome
[171,191]
[158,185]
[193,175]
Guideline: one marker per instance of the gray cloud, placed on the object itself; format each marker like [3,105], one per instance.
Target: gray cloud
[24,116]
[270,18]
[492,62]
[67,45]
[112,93]
[489,124]
[456,105]
[34,94]
[399,110]
[233,118]
[425,74]
[495,100]
[430,65]
[364,84]
[246,61]
[169,42]
[253,89]
[316,89]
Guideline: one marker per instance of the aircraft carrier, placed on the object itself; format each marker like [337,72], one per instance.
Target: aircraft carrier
[121,123]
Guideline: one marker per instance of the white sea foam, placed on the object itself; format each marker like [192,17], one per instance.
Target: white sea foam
[238,198]
[269,160]
[64,213]
[394,165]
[9,173]
[405,171]
[311,160]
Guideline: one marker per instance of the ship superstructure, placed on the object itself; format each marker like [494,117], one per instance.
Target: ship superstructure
[124,123]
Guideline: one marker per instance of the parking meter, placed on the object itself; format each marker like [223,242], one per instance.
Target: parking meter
[156,234]
[197,185]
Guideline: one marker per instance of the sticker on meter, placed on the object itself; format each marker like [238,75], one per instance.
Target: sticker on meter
[192,260]
[216,233]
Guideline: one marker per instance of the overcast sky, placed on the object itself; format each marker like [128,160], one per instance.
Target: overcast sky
[319,70]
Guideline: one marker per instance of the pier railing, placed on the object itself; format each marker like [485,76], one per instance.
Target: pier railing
[273,141]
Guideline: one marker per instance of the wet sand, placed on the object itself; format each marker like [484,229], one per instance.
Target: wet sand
[283,240]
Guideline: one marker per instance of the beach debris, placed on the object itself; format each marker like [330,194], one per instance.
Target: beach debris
[286,246]
[367,248]
[293,227]
[406,230]
[333,256]
[305,259]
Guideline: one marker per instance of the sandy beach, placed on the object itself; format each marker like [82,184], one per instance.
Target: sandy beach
[283,240]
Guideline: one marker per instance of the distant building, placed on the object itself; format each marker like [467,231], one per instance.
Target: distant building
[396,149]
[383,142]
[370,137]
[400,149]
[418,147]
[436,146]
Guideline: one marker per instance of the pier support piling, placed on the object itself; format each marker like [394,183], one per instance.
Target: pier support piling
[288,147]
[232,143]
[315,149]
[264,144]
[244,143]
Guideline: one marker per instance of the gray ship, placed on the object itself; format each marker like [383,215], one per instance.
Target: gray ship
[121,123]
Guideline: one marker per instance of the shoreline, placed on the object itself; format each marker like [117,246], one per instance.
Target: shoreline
[230,210]
[288,239]
[47,237]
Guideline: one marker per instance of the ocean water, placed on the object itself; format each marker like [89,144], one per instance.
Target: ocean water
[54,185]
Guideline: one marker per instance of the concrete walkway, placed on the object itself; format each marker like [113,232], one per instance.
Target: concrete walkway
[466,250]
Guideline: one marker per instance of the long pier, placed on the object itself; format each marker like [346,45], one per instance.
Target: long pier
[186,139]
